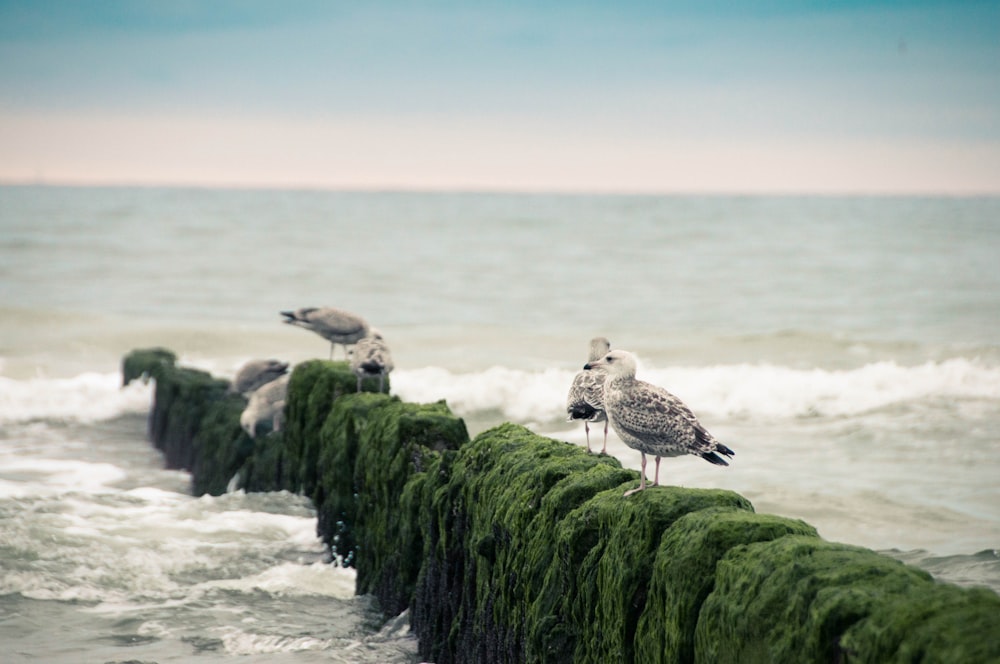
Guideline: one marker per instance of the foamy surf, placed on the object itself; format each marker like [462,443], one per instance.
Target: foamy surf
[241,642]
[742,391]
[296,579]
[87,397]
[734,391]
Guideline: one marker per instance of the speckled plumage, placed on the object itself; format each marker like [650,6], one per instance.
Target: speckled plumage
[650,419]
[255,373]
[335,325]
[585,400]
[372,358]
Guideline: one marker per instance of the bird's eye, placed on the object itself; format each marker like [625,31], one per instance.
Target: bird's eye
[609,359]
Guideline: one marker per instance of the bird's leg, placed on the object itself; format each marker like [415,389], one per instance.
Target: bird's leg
[359,383]
[642,478]
[604,450]
[331,351]
[381,382]
[586,427]
[656,478]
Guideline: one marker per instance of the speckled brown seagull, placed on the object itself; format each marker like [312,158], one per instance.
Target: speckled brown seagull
[585,400]
[650,419]
[372,357]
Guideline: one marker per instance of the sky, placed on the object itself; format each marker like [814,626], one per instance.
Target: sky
[774,96]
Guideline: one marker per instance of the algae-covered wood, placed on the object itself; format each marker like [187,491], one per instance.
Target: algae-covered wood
[513,547]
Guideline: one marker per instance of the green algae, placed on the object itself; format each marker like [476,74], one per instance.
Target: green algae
[312,390]
[313,387]
[517,486]
[532,554]
[265,468]
[437,599]
[335,494]
[513,547]
[293,459]
[684,574]
[549,560]
[182,398]
[220,447]
[370,384]
[396,443]
[194,420]
[793,598]
[934,623]
[615,540]
[145,363]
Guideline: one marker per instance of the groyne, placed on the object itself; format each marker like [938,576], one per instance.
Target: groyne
[513,547]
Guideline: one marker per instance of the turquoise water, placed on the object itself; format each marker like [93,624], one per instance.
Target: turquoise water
[845,348]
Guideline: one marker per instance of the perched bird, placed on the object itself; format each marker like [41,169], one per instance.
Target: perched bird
[372,358]
[585,400]
[335,325]
[650,419]
[255,373]
[267,402]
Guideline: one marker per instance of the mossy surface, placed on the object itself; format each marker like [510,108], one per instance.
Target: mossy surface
[395,444]
[793,599]
[437,599]
[548,560]
[605,552]
[933,624]
[182,399]
[445,602]
[266,468]
[194,420]
[145,363]
[312,390]
[513,547]
[519,487]
[335,494]
[220,446]
[683,575]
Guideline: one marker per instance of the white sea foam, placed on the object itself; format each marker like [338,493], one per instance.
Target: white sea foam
[519,395]
[738,390]
[742,390]
[87,397]
[775,392]
[98,543]
[318,578]
[239,642]
[38,477]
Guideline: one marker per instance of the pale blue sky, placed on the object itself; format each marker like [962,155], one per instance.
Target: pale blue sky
[580,96]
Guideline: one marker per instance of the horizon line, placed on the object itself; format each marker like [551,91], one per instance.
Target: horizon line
[70,183]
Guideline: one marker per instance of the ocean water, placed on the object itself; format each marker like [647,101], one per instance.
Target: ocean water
[846,348]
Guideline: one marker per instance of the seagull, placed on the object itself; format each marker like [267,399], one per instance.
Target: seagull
[372,358]
[267,402]
[650,419]
[335,325]
[585,400]
[255,373]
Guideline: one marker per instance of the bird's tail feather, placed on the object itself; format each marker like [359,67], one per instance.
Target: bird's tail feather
[581,412]
[712,457]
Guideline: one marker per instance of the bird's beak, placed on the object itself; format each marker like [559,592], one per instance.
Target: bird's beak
[587,366]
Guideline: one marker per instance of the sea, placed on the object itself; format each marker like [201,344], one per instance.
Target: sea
[846,348]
